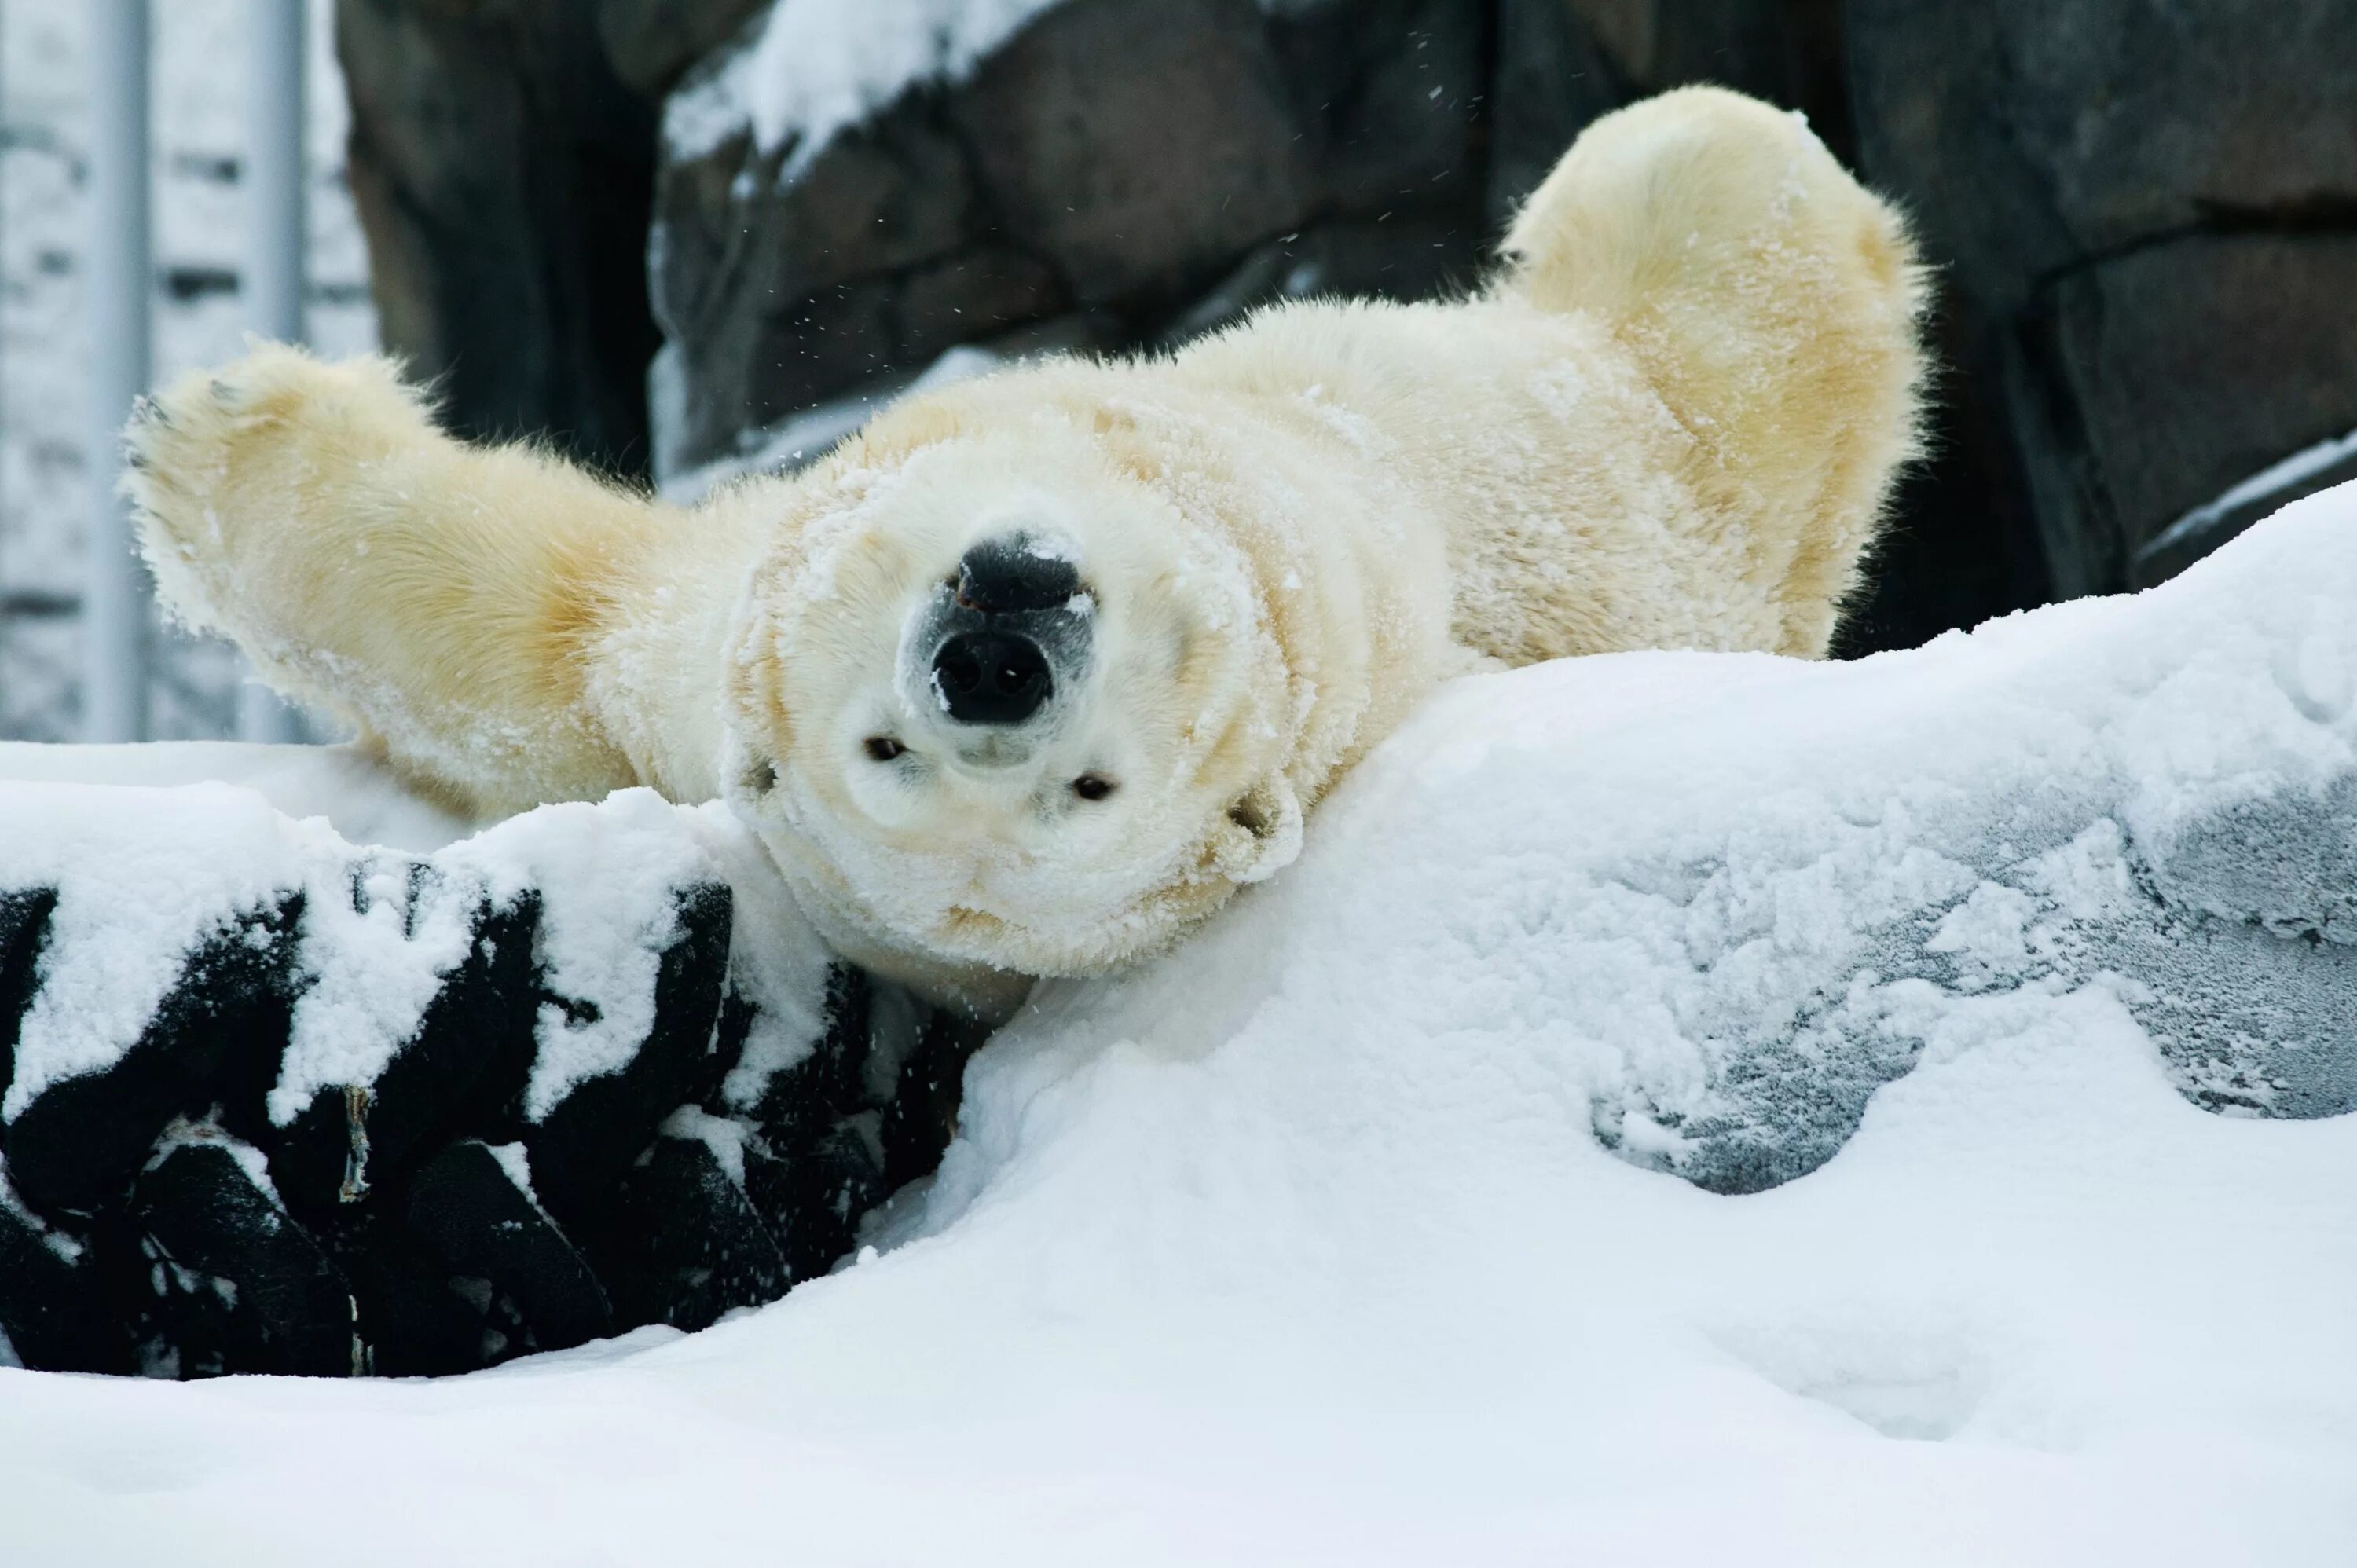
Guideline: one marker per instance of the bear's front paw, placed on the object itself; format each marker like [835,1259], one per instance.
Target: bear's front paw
[211,430]
[250,445]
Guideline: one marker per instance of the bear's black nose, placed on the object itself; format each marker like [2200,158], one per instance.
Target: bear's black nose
[990,677]
[1015,573]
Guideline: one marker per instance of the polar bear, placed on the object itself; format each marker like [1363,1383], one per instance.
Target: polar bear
[1032,673]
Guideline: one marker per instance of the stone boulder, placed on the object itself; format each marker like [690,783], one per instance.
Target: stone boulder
[1115,173]
[2150,216]
[329,1108]
[502,161]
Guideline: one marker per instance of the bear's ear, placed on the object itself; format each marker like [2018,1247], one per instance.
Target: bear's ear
[1270,815]
[749,772]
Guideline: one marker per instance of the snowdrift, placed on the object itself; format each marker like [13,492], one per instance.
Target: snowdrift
[1680,1109]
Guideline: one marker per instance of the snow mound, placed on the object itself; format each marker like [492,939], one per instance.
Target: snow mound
[1353,1232]
[356,794]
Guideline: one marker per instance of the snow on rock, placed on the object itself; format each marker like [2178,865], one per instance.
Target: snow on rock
[143,876]
[349,1109]
[378,958]
[396,928]
[1347,1233]
[775,957]
[151,847]
[609,875]
[815,67]
[721,1136]
[146,873]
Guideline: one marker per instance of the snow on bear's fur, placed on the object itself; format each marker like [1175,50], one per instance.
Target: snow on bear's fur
[1029,675]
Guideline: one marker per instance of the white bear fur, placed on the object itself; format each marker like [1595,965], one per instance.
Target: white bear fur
[1672,421]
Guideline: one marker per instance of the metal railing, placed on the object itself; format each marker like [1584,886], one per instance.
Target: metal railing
[122,272]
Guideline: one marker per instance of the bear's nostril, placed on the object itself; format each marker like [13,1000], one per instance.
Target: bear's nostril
[990,677]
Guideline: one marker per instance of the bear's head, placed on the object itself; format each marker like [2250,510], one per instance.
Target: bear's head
[995,700]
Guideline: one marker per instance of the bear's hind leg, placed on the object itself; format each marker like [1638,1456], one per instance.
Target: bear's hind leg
[1773,302]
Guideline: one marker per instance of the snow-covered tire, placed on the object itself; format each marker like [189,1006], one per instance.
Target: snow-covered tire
[246,1184]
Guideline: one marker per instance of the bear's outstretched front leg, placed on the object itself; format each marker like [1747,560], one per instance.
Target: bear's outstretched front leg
[444,597]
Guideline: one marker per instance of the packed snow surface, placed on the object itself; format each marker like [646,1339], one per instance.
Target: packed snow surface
[355,794]
[1354,1232]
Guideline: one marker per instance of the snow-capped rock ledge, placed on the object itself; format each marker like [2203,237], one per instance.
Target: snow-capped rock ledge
[1351,1232]
[274,1102]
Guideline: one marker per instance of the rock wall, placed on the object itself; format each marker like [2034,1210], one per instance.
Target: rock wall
[314,1108]
[1117,173]
[503,157]
[2149,216]
[2144,218]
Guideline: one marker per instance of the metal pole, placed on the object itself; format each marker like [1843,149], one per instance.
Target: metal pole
[118,267]
[275,249]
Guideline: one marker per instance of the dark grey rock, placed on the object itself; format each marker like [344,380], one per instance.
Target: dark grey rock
[1561,63]
[811,1198]
[413,1317]
[217,1035]
[480,1224]
[52,1306]
[685,1243]
[2154,381]
[2148,214]
[24,928]
[1110,163]
[1136,148]
[589,1138]
[650,43]
[921,1116]
[468,1059]
[502,169]
[242,1287]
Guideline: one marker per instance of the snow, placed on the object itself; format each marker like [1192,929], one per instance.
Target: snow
[2272,480]
[724,1137]
[149,861]
[516,1161]
[1308,1244]
[607,875]
[815,67]
[378,957]
[143,876]
[355,791]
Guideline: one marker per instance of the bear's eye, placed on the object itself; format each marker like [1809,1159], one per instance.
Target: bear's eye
[883,747]
[1091,787]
